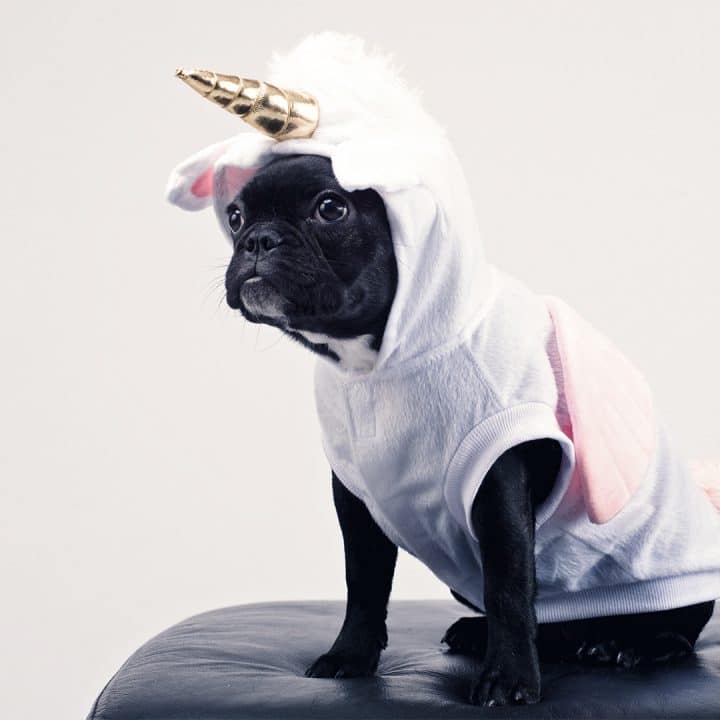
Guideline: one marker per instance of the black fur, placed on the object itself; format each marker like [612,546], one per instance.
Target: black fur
[369,567]
[339,279]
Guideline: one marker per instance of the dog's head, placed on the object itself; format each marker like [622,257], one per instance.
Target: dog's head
[313,252]
[309,257]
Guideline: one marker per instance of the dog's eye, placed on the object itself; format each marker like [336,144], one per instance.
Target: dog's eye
[235,218]
[331,208]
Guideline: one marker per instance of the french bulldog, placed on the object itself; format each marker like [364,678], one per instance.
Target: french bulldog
[317,262]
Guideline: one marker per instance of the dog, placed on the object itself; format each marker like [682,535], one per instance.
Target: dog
[317,262]
[484,428]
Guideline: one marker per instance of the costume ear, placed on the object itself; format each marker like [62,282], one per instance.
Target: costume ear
[227,182]
[193,183]
[190,185]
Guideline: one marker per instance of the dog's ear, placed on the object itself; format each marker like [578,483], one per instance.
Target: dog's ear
[219,170]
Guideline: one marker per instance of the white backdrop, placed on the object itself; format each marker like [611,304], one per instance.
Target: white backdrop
[158,456]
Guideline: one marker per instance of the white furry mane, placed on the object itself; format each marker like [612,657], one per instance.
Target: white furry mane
[360,93]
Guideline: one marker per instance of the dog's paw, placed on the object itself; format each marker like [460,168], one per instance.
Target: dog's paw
[343,665]
[504,684]
[467,636]
[661,648]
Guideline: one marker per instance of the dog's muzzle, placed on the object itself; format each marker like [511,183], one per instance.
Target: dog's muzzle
[261,299]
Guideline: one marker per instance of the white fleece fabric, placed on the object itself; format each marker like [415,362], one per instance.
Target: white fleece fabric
[466,368]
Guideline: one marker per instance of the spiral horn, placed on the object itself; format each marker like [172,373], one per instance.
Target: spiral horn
[279,113]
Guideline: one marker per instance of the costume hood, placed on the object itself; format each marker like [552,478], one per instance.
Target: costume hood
[377,135]
[483,369]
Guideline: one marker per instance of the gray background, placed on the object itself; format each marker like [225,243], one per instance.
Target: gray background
[158,456]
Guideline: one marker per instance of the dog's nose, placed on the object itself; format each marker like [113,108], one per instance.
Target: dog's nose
[262,241]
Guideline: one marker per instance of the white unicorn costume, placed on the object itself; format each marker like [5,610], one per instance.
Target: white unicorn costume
[472,363]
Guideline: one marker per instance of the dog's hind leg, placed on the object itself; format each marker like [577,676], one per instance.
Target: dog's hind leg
[468,635]
[655,637]
[625,640]
[622,640]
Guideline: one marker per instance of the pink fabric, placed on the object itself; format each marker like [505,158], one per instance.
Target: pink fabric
[609,408]
[203,185]
[231,180]
[220,169]
[707,474]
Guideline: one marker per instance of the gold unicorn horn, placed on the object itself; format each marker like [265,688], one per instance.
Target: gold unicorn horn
[276,112]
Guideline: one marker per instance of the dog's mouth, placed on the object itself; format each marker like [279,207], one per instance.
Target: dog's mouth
[262,300]
[276,299]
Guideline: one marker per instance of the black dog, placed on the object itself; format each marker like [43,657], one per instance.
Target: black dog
[318,262]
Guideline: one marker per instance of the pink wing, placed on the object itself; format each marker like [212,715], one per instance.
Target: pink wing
[610,410]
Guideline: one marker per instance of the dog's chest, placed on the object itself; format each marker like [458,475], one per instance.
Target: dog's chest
[390,441]
[354,354]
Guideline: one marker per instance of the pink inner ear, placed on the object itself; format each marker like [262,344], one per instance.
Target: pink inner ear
[203,185]
[234,179]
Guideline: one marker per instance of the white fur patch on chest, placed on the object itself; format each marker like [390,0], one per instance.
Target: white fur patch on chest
[353,353]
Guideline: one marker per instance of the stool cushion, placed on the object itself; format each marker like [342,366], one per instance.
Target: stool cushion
[248,662]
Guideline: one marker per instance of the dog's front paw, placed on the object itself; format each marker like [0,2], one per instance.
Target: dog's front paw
[343,665]
[504,682]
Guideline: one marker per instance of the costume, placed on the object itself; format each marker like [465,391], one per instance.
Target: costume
[472,363]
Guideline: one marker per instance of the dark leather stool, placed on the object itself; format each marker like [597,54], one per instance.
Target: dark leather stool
[248,662]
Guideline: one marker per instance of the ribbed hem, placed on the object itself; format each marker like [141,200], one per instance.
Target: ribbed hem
[629,599]
[484,444]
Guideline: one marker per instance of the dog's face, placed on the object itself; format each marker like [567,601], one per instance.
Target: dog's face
[309,257]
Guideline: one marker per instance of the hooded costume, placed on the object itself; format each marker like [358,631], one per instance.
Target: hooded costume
[472,362]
